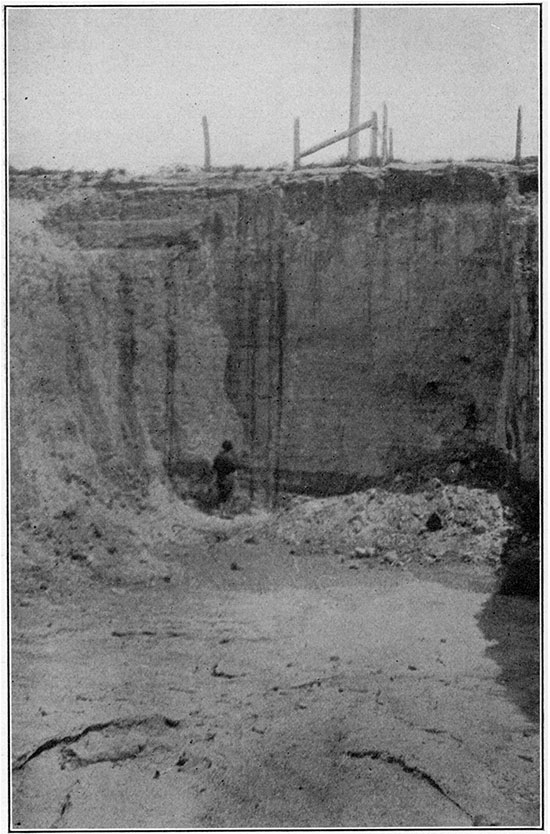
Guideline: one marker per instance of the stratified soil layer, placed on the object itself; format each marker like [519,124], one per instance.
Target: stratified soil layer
[338,325]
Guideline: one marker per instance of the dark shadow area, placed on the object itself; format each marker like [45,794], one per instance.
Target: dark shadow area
[192,477]
[475,465]
[528,182]
[512,624]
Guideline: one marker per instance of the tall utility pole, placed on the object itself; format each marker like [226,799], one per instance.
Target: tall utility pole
[353,146]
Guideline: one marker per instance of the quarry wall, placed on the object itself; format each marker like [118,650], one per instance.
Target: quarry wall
[339,325]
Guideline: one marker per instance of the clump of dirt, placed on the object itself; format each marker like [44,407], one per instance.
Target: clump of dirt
[437,522]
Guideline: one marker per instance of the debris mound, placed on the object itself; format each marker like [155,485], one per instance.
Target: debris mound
[437,522]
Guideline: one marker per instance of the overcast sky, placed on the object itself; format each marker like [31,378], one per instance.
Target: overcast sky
[127,87]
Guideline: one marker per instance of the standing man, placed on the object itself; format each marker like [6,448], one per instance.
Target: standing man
[225,466]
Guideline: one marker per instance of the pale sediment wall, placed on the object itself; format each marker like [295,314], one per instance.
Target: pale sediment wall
[334,324]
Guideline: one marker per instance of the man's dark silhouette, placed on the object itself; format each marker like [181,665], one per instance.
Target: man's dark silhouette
[225,466]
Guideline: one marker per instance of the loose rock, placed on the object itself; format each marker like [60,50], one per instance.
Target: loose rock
[434,523]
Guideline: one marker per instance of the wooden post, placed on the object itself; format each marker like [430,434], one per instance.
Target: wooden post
[355,93]
[384,134]
[333,139]
[518,138]
[207,161]
[390,155]
[296,143]
[374,138]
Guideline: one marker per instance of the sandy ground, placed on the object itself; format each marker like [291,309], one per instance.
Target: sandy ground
[268,686]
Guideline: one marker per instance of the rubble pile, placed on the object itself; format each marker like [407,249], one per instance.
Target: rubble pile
[437,523]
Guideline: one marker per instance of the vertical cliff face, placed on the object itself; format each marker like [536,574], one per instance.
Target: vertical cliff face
[517,424]
[372,323]
[333,324]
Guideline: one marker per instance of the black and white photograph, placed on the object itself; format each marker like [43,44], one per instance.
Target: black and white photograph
[274,418]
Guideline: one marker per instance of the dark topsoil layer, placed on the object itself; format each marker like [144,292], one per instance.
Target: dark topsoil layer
[403,182]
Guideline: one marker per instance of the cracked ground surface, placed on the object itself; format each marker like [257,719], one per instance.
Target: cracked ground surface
[264,687]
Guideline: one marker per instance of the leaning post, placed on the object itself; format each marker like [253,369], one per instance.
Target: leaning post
[296,143]
[333,139]
[207,160]
[518,138]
